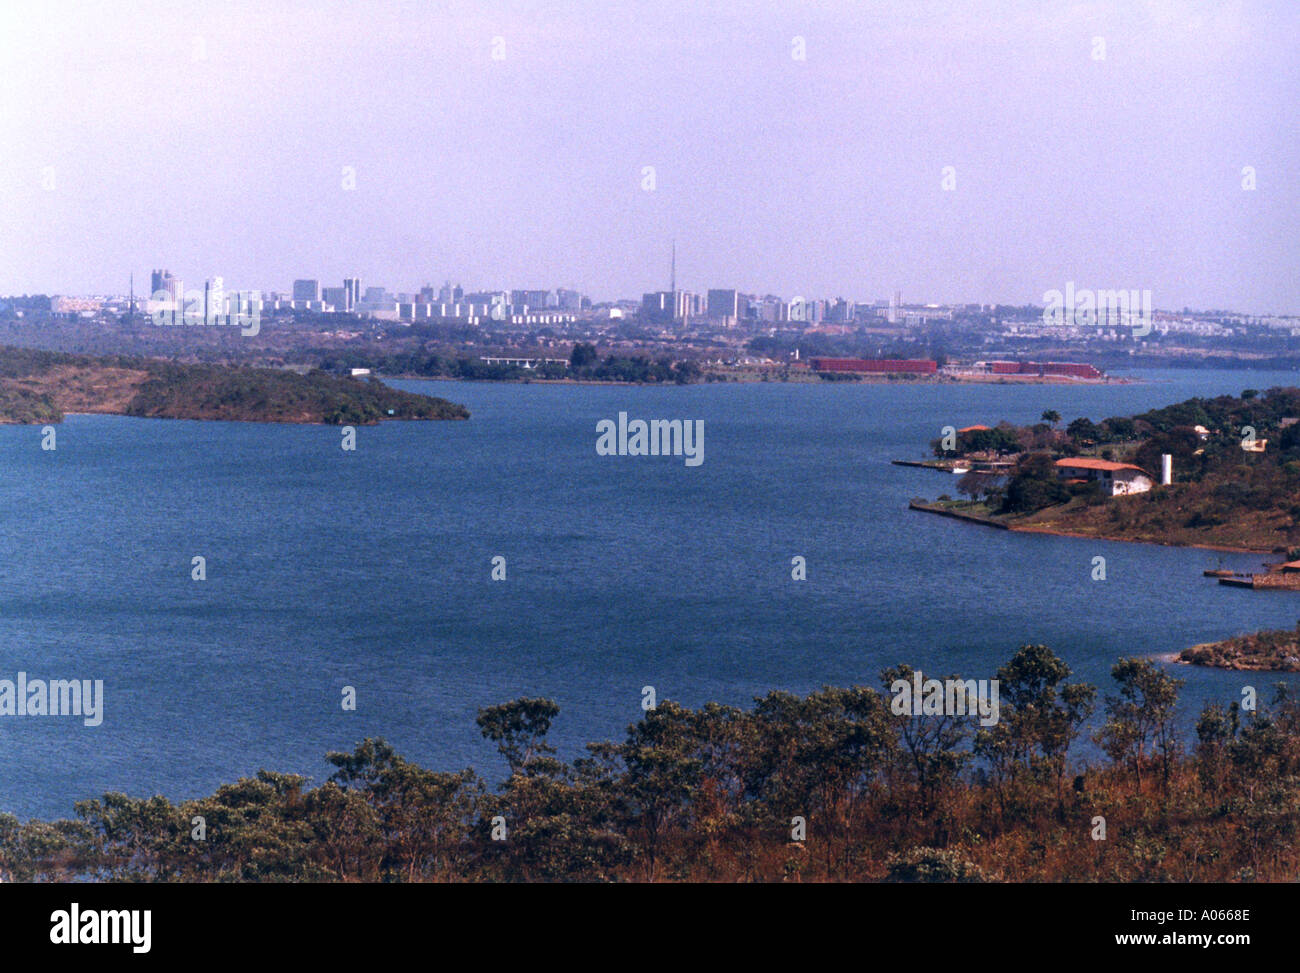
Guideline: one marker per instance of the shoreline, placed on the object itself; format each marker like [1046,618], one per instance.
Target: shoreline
[1223,548]
[798,378]
[1230,655]
[986,521]
[255,422]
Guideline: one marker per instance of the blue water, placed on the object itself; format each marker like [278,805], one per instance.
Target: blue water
[372,569]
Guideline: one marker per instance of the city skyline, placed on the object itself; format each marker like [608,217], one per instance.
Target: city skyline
[431,290]
[964,155]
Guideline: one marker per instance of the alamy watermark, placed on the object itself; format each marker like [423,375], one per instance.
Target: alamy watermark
[57,697]
[211,307]
[77,926]
[653,437]
[1102,309]
[949,697]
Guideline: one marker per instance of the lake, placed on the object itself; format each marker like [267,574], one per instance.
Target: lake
[372,569]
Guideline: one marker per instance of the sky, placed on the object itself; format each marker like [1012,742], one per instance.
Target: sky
[955,152]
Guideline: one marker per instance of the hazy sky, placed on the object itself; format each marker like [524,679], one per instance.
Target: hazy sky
[211,139]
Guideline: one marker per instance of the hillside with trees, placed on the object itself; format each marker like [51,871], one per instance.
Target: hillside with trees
[1224,493]
[41,386]
[838,785]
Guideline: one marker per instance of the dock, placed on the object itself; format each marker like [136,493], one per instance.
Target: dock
[1272,581]
[932,508]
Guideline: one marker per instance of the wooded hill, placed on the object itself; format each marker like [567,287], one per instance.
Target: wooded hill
[837,785]
[1223,495]
[41,386]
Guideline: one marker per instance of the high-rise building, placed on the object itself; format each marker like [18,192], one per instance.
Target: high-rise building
[337,296]
[841,312]
[214,300]
[723,304]
[306,290]
[162,282]
[352,292]
[669,307]
[657,307]
[895,308]
[533,300]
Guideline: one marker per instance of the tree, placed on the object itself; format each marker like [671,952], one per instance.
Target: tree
[1141,716]
[991,441]
[1052,416]
[583,355]
[663,775]
[424,817]
[1041,715]
[932,744]
[1034,485]
[1083,430]
[1215,730]
[974,485]
[519,729]
[686,371]
[1180,442]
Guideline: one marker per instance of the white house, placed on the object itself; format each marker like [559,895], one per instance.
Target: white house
[1116,479]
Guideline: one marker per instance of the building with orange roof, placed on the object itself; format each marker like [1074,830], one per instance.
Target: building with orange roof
[1116,479]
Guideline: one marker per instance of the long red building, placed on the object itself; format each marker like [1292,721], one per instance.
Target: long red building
[1071,369]
[877,365]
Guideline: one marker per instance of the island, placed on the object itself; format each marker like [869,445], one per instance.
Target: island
[1276,650]
[1221,473]
[43,386]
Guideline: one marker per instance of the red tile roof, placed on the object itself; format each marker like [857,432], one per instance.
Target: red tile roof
[1087,463]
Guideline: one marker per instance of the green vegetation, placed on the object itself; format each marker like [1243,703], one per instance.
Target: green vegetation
[1273,651]
[1223,495]
[585,365]
[40,386]
[268,395]
[722,794]
[24,406]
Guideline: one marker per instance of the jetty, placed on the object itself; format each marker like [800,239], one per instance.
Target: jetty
[1278,577]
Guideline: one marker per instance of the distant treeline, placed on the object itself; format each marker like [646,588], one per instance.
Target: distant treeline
[584,365]
[841,784]
[843,346]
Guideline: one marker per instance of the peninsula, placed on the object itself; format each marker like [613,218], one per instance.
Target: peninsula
[1267,651]
[43,386]
[1220,473]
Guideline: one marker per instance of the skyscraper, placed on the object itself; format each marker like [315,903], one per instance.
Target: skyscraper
[723,303]
[162,282]
[306,290]
[352,292]
[214,300]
